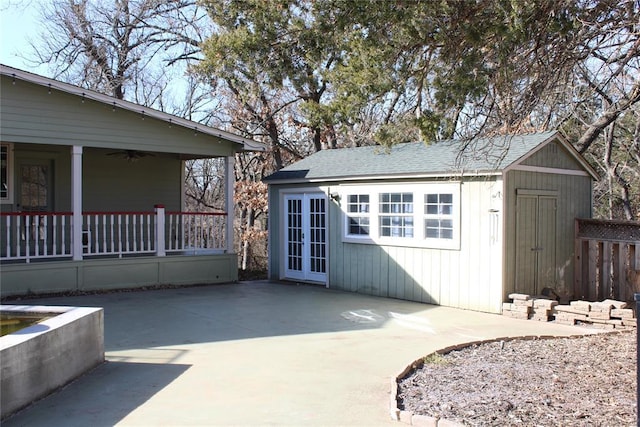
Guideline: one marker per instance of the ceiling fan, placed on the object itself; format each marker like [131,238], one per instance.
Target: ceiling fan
[131,155]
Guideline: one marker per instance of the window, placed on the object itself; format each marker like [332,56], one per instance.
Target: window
[6,195]
[396,214]
[438,222]
[358,215]
[413,215]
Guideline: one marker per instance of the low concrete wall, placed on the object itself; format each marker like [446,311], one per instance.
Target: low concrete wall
[43,357]
[117,273]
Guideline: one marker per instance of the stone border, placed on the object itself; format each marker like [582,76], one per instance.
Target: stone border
[408,417]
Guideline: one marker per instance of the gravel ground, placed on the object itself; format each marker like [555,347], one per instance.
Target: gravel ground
[586,381]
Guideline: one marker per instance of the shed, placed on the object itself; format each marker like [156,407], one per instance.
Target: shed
[433,223]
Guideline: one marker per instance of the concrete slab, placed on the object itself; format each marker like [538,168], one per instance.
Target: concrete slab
[257,353]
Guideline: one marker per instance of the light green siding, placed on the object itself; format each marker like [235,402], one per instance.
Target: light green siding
[573,201]
[65,276]
[467,278]
[111,183]
[553,155]
[32,115]
[470,277]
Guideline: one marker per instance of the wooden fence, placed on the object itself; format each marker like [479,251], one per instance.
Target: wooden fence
[607,260]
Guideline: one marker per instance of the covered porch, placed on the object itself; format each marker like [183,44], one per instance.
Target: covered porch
[93,193]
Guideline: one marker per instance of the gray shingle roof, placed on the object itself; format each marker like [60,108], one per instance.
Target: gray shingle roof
[481,156]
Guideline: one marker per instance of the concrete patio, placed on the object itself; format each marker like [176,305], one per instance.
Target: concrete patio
[256,353]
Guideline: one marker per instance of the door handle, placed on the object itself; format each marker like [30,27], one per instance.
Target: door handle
[537,249]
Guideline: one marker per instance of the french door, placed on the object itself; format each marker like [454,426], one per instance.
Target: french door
[305,237]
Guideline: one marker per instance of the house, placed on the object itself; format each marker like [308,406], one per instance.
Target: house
[433,223]
[92,192]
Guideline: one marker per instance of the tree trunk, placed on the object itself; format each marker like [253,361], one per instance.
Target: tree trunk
[250,218]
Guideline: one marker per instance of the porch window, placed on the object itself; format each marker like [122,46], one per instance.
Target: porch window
[6,165]
[396,215]
[358,210]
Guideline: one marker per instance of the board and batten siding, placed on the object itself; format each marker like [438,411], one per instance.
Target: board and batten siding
[32,115]
[553,155]
[469,278]
[573,201]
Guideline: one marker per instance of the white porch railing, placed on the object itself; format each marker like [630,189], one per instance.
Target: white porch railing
[195,232]
[31,236]
[27,236]
[118,233]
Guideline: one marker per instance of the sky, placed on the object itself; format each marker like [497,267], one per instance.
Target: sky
[18,24]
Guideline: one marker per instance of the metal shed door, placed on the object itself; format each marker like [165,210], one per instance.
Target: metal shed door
[305,239]
[535,243]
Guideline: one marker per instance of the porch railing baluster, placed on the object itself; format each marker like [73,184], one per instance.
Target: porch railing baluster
[54,235]
[126,234]
[119,233]
[7,234]
[27,239]
[104,233]
[63,234]
[96,237]
[27,236]
[42,231]
[35,228]
[111,230]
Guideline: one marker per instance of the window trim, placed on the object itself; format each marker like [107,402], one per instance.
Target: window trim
[419,215]
[10,172]
[358,214]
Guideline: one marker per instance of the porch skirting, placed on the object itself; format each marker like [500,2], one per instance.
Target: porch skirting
[120,273]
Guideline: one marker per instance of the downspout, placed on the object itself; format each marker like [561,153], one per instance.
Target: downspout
[76,202]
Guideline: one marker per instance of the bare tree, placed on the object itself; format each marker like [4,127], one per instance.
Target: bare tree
[110,46]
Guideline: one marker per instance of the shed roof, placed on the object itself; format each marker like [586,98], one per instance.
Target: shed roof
[481,156]
[242,143]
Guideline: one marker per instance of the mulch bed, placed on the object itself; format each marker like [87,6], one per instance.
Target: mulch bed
[585,381]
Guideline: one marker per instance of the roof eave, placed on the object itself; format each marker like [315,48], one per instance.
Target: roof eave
[244,144]
[351,178]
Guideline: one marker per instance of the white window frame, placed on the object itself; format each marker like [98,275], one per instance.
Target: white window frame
[358,215]
[10,173]
[419,215]
[405,214]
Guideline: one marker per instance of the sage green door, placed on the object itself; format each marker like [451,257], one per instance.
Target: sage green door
[536,236]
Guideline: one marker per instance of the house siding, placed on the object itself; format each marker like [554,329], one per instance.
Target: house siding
[469,278]
[573,201]
[111,183]
[32,115]
[553,155]
[101,274]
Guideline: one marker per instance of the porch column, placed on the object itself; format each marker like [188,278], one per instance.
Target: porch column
[160,223]
[229,206]
[76,202]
